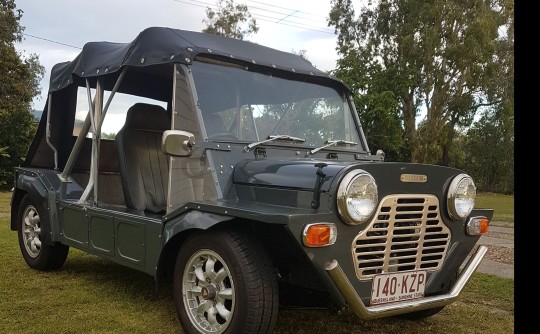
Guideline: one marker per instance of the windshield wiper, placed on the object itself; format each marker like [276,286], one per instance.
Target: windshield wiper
[331,143]
[247,148]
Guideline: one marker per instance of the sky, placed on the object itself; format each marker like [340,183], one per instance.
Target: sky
[56,30]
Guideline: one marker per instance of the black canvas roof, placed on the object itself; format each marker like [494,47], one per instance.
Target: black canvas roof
[161,45]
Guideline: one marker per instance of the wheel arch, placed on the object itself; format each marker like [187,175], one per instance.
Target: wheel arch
[16,199]
[35,189]
[177,231]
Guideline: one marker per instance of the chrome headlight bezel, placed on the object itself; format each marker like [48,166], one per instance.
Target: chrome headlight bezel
[461,197]
[368,199]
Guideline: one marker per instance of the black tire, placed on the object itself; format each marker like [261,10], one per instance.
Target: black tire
[37,254]
[229,277]
[419,315]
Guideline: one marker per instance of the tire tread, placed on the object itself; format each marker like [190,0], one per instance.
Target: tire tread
[51,257]
[258,278]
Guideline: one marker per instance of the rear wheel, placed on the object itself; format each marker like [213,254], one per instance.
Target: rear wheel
[224,282]
[37,254]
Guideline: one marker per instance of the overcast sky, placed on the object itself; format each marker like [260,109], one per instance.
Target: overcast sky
[55,30]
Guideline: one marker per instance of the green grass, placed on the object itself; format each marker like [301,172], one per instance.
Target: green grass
[503,205]
[92,295]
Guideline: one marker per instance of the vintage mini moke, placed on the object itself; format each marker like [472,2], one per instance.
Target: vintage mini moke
[241,175]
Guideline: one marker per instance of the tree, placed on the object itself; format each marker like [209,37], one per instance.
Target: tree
[302,53]
[3,154]
[230,20]
[376,105]
[110,135]
[19,83]
[439,58]
[489,149]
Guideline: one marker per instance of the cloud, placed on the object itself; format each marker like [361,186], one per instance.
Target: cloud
[284,25]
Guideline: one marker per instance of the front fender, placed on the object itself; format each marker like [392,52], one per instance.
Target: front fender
[193,219]
[27,182]
[176,230]
[488,213]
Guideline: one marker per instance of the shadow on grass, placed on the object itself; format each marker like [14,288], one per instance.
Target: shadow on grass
[115,278]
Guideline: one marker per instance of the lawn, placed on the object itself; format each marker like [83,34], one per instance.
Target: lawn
[92,295]
[503,205]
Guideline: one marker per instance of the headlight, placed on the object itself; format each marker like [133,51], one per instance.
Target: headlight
[357,197]
[461,196]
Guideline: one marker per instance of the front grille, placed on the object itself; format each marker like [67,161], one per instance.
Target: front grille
[407,233]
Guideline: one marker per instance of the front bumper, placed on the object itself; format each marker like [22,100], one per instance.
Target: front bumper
[379,311]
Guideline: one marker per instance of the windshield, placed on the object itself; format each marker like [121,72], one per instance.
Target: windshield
[239,105]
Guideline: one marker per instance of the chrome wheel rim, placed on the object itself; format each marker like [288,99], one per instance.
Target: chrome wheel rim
[208,292]
[31,231]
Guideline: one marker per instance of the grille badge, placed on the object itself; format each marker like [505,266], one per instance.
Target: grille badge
[413,178]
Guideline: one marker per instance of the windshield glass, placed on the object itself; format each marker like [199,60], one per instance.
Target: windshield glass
[240,105]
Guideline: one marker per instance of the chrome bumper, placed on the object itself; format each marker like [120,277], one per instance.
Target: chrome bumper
[372,312]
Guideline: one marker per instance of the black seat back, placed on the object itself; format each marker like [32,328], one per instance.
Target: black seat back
[143,165]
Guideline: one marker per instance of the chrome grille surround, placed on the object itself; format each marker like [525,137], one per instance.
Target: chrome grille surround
[406,233]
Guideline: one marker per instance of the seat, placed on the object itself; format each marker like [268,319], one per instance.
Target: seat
[143,165]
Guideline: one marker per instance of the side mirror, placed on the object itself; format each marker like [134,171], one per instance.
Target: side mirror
[381,154]
[177,143]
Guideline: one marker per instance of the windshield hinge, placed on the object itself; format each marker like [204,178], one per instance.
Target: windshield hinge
[260,152]
[332,155]
[315,203]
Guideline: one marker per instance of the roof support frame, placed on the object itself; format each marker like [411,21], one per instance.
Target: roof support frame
[48,133]
[95,109]
[64,177]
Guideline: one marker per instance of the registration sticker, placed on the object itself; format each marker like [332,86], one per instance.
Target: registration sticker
[391,288]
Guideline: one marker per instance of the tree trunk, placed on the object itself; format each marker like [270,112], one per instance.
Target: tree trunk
[409,122]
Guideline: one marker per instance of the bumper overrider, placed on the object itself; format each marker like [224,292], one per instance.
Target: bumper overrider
[378,311]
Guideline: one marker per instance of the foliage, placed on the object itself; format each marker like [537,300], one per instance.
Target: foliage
[230,20]
[4,152]
[111,136]
[19,83]
[379,110]
[379,116]
[309,119]
[302,53]
[490,152]
[410,57]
